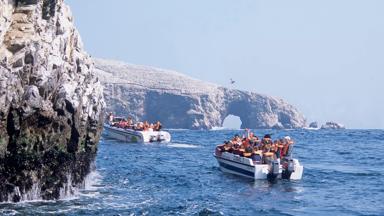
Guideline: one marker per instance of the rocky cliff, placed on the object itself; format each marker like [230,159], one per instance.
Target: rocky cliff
[179,101]
[51,105]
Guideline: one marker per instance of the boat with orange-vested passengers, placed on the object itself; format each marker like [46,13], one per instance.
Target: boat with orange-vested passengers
[260,159]
[113,130]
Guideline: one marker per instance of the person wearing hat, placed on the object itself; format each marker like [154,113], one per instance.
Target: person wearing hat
[268,154]
[267,136]
[266,141]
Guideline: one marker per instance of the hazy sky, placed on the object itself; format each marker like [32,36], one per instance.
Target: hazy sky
[326,57]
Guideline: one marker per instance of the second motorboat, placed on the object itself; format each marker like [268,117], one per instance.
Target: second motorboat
[120,129]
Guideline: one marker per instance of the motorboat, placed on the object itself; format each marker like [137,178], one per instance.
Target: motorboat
[286,168]
[134,136]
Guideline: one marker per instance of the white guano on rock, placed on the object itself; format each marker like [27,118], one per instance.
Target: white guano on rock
[51,104]
[179,101]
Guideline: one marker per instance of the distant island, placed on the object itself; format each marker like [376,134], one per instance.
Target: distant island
[327,125]
[179,101]
[332,125]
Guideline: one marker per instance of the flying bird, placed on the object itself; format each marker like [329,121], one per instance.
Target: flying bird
[232,81]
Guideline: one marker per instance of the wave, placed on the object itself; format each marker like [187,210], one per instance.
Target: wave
[218,128]
[309,128]
[343,169]
[93,181]
[8,212]
[207,211]
[67,192]
[92,184]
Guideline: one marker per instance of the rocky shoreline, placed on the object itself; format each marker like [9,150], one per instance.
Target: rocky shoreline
[51,104]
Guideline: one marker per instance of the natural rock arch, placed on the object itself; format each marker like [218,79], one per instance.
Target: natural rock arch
[238,108]
[231,122]
[148,93]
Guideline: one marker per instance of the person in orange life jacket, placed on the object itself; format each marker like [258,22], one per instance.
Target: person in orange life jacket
[279,148]
[287,142]
[268,154]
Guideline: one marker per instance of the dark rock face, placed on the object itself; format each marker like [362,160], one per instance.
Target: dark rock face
[314,125]
[179,101]
[26,2]
[51,105]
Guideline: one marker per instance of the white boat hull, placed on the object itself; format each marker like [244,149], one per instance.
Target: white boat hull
[237,165]
[132,136]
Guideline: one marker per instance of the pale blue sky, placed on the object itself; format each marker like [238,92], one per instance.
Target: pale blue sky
[326,57]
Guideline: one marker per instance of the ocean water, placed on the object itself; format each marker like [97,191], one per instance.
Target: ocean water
[343,175]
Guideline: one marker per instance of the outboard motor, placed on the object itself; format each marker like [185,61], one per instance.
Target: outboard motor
[274,171]
[288,169]
[157,138]
[153,139]
[160,138]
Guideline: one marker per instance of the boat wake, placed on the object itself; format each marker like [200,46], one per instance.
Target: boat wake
[176,129]
[181,145]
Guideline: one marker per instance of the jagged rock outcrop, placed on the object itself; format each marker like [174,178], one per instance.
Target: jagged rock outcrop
[51,105]
[314,125]
[179,101]
[332,125]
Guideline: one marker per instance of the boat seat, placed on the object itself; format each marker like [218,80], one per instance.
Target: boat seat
[257,159]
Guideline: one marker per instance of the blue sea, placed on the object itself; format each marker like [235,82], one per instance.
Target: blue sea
[343,175]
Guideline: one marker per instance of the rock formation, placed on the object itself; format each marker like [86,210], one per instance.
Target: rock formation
[332,125]
[51,105]
[178,101]
[314,125]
